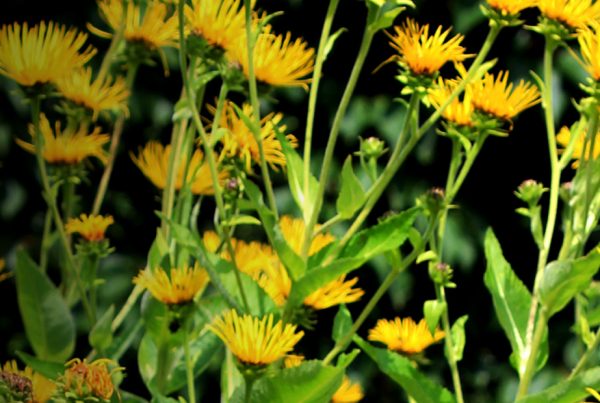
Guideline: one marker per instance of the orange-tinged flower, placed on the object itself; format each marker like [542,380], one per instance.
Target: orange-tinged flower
[180,286]
[572,13]
[423,53]
[334,293]
[239,141]
[41,387]
[511,7]
[69,146]
[255,341]
[154,27]
[501,99]
[589,43]
[348,392]
[41,54]
[89,380]
[278,60]
[458,112]
[91,227]
[564,138]
[404,335]
[95,95]
[153,161]
[220,23]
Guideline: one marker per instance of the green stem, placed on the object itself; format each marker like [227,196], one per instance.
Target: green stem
[45,246]
[452,361]
[114,146]
[93,294]
[51,200]
[114,45]
[129,304]
[533,351]
[333,134]
[380,292]
[131,336]
[163,363]
[588,165]
[189,367]
[264,168]
[68,198]
[314,89]
[586,356]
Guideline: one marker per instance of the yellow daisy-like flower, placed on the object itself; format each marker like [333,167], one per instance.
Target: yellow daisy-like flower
[278,60]
[41,54]
[422,53]
[348,392]
[153,161]
[89,380]
[70,146]
[95,95]
[255,341]
[458,112]
[511,7]
[573,13]
[91,227]
[499,98]
[589,43]
[293,232]
[404,335]
[42,388]
[564,138]
[239,141]
[220,23]
[180,286]
[154,28]
[334,293]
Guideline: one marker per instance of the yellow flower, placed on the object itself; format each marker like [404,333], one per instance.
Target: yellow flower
[3,276]
[220,23]
[511,7]
[404,335]
[42,387]
[573,13]
[89,380]
[499,98]
[422,53]
[255,341]
[458,112]
[91,227]
[154,28]
[334,293]
[292,360]
[42,54]
[564,138]
[348,392]
[239,141]
[70,146]
[153,161]
[97,95]
[293,232]
[589,43]
[180,286]
[278,60]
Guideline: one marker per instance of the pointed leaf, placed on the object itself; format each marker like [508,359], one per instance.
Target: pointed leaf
[49,369]
[568,391]
[432,311]
[341,324]
[47,319]
[352,195]
[457,332]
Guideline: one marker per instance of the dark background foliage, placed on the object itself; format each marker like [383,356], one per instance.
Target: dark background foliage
[485,200]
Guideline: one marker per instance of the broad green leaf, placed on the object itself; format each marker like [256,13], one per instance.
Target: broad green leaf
[352,195]
[101,336]
[457,332]
[511,302]
[387,235]
[310,382]
[402,371]
[49,369]
[48,322]
[432,311]
[341,324]
[291,261]
[568,391]
[562,280]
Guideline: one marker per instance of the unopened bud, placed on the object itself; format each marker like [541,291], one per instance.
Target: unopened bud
[433,200]
[530,191]
[440,273]
[372,147]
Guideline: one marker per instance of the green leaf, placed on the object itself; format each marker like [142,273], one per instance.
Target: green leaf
[344,360]
[387,235]
[291,261]
[48,322]
[158,251]
[568,391]
[432,311]
[331,40]
[562,280]
[402,371]
[511,302]
[341,324]
[310,382]
[101,336]
[352,195]
[457,332]
[49,369]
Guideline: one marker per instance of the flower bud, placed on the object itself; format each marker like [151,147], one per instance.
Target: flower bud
[530,191]
[432,201]
[441,273]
